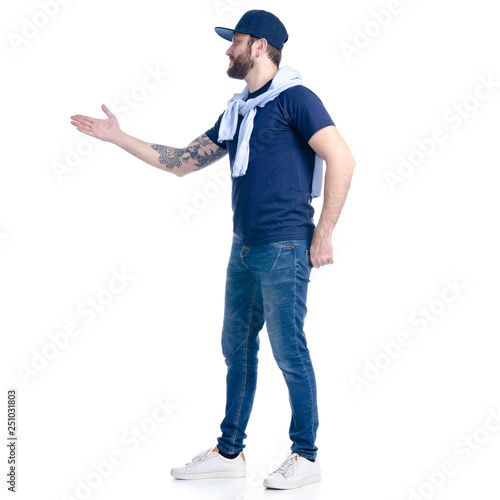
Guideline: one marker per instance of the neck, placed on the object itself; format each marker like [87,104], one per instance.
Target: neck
[259,76]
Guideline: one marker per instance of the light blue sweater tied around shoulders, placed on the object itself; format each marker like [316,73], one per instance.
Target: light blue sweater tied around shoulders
[285,78]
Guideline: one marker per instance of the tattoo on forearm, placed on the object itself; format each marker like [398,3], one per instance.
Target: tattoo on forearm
[208,155]
[170,157]
[200,153]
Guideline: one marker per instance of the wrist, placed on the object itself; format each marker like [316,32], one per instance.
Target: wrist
[324,230]
[119,139]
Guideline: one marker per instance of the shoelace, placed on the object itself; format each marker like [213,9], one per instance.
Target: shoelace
[289,465]
[201,455]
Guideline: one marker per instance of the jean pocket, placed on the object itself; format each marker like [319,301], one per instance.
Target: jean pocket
[308,262]
[284,244]
[244,251]
[282,255]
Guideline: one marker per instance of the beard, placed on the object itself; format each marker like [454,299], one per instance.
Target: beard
[241,66]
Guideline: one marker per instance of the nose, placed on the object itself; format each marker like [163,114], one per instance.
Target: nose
[229,51]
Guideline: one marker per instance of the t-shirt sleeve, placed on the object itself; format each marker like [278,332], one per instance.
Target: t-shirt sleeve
[305,111]
[213,134]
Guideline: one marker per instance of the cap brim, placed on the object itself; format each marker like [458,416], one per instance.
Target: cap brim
[225,33]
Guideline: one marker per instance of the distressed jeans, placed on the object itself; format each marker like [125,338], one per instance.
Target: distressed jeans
[268,282]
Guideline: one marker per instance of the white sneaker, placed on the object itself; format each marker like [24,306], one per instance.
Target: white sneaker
[210,464]
[294,472]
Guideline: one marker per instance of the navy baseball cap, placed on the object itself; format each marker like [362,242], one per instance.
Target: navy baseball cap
[261,24]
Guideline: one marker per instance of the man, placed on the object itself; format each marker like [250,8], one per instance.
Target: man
[277,134]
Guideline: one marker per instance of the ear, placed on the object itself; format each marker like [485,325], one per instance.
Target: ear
[262,46]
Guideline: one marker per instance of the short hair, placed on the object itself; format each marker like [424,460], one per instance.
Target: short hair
[273,52]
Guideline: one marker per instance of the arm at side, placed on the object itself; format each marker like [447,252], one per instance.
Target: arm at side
[329,145]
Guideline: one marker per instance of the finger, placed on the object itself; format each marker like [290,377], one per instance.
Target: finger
[82,117]
[86,121]
[107,111]
[83,126]
[76,124]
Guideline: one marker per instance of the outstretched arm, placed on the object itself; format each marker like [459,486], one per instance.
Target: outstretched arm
[180,161]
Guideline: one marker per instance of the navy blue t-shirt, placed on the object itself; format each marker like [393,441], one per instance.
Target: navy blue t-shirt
[272,201]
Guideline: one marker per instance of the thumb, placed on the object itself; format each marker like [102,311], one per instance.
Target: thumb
[107,111]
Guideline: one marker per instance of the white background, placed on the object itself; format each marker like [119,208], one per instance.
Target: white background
[63,235]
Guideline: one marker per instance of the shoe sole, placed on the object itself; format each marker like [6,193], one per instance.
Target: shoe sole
[209,475]
[284,486]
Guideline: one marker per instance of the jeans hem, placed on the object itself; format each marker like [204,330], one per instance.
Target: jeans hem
[306,455]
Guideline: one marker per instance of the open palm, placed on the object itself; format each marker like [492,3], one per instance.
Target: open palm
[106,130]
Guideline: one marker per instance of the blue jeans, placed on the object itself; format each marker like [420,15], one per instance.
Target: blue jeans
[268,282]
